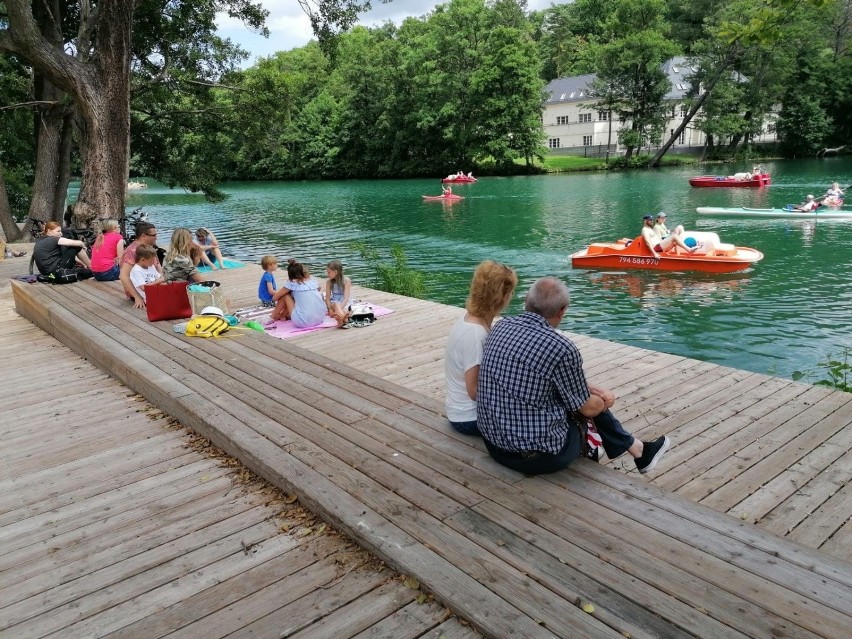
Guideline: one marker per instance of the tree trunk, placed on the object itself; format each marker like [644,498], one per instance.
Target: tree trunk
[723,67]
[100,87]
[48,124]
[676,134]
[105,109]
[63,178]
[9,230]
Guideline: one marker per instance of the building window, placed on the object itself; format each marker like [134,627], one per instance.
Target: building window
[770,128]
[561,119]
[683,110]
[682,137]
[553,143]
[603,116]
[585,117]
[587,140]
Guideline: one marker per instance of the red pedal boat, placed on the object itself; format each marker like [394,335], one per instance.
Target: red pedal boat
[459,179]
[442,198]
[739,180]
[712,256]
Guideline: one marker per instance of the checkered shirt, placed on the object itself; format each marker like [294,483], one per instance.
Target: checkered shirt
[530,381]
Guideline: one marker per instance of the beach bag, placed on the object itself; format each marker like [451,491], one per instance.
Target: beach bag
[206,326]
[167,301]
[204,294]
[361,314]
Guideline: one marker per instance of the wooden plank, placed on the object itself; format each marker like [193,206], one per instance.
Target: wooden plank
[204,612]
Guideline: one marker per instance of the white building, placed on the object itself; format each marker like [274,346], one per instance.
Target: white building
[572,121]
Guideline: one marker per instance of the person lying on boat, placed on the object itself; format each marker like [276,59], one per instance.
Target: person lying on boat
[810,204]
[659,244]
[742,177]
[446,191]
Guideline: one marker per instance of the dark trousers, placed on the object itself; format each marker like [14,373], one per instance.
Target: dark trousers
[616,441]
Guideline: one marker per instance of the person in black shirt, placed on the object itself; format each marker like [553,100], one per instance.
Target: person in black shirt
[53,251]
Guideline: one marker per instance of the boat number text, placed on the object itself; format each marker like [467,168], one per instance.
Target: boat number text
[638,260]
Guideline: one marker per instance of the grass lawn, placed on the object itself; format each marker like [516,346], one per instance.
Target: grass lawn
[571,163]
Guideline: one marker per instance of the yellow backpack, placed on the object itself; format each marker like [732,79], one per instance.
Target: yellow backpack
[206,326]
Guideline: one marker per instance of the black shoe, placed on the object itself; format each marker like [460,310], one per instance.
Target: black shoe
[652,453]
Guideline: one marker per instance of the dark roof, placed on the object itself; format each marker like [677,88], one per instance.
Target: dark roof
[577,88]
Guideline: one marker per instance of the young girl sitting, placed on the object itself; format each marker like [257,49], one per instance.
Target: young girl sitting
[106,253]
[177,265]
[300,298]
[209,245]
[337,292]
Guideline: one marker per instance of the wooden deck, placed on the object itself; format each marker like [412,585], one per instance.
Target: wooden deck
[516,556]
[763,449]
[115,521]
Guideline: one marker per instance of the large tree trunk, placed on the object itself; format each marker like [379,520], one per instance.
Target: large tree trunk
[105,109]
[9,230]
[100,87]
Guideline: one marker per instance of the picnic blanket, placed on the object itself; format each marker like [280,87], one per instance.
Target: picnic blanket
[284,329]
[227,263]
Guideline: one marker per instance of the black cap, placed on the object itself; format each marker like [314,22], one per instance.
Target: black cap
[648,217]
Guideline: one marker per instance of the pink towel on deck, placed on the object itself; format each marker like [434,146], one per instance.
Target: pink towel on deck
[285,329]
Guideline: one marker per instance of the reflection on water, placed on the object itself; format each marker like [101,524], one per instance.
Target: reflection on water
[654,288]
[786,313]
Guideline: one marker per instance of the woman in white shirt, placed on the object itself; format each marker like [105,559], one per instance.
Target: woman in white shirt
[491,291]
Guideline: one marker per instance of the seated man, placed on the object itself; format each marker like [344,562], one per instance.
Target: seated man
[533,399]
[54,253]
[659,244]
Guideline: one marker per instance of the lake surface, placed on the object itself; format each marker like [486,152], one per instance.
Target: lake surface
[787,313]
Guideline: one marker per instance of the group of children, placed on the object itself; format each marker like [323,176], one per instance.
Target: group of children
[299,298]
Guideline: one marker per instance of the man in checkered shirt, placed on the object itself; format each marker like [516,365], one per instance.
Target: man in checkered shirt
[532,398]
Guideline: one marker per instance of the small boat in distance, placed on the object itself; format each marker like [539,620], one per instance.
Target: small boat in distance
[789,213]
[451,197]
[712,256]
[132,186]
[740,180]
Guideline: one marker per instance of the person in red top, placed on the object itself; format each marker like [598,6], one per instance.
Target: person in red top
[146,235]
[107,252]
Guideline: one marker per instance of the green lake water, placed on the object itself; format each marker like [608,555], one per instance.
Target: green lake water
[787,313]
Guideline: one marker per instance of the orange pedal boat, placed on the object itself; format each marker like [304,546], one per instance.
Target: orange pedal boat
[712,255]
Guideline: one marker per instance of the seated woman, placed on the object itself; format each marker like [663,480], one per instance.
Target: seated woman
[659,244]
[491,291]
[53,253]
[177,264]
[662,230]
[209,245]
[107,252]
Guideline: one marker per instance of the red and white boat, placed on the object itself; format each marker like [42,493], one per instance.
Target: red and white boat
[459,179]
[712,256]
[745,180]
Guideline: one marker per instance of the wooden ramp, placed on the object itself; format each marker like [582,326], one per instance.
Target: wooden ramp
[588,552]
[116,521]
